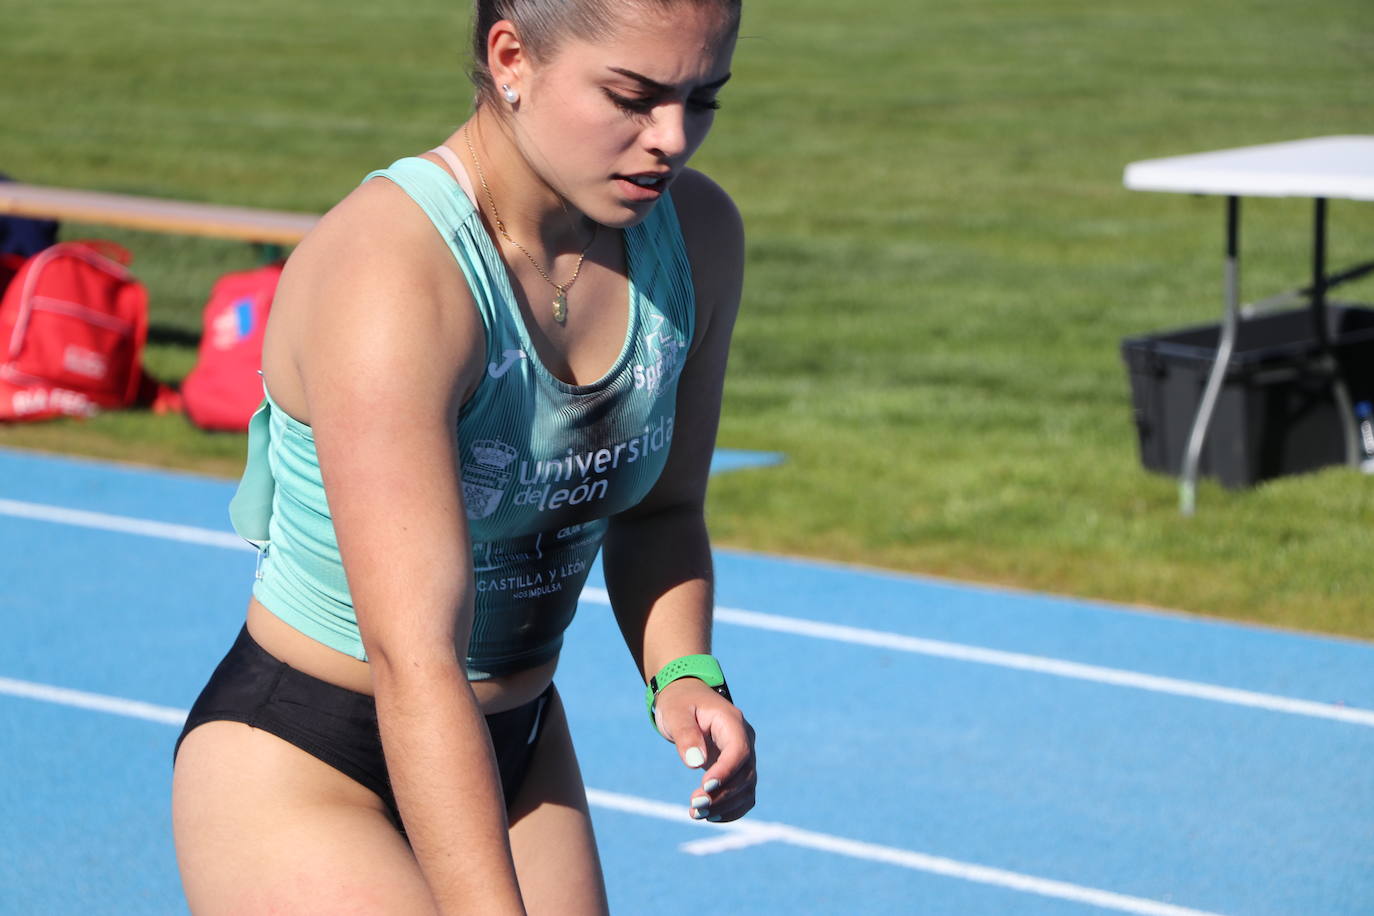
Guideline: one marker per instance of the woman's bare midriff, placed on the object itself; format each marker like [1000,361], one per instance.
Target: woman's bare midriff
[289,645]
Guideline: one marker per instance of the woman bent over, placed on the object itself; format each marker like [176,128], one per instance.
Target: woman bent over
[487,363]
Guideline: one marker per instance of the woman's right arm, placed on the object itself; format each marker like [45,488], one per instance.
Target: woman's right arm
[385,344]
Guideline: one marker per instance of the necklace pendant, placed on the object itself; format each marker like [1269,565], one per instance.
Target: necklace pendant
[560,307]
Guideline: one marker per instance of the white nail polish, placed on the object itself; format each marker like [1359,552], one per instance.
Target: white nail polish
[694,757]
[710,785]
[701,801]
[698,814]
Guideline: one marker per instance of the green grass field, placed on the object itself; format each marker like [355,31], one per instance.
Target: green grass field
[943,260]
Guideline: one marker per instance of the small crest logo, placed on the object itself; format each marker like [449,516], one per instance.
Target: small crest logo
[485,476]
[493,453]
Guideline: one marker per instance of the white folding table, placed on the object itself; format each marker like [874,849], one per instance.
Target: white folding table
[1321,168]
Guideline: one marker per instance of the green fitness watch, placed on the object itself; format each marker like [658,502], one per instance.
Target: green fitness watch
[704,668]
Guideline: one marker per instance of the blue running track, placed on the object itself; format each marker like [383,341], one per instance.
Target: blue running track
[925,746]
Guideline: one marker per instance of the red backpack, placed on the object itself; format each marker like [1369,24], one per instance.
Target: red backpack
[73,322]
[225,388]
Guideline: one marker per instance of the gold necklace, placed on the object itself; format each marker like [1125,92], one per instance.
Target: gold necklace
[560,300]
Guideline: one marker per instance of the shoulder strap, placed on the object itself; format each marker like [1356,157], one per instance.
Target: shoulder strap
[659,264]
[458,222]
[432,188]
[451,160]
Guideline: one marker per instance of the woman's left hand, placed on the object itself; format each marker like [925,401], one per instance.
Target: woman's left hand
[710,733]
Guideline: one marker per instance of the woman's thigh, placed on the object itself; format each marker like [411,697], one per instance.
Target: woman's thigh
[551,829]
[262,826]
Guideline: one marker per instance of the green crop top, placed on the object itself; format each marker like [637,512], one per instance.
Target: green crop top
[544,463]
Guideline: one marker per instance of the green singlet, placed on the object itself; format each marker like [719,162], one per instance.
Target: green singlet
[544,463]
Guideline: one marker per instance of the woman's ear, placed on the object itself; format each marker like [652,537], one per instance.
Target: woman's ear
[506,57]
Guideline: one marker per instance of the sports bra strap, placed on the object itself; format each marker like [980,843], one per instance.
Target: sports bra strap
[451,160]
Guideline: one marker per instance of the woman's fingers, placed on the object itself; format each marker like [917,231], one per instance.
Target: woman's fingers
[728,801]
[731,741]
[711,733]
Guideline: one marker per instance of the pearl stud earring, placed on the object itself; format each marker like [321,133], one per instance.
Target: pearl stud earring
[511,95]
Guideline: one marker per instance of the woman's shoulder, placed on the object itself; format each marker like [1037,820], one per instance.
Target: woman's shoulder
[712,233]
[374,276]
[704,209]
[376,242]
[376,224]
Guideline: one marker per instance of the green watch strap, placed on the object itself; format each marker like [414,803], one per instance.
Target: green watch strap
[704,668]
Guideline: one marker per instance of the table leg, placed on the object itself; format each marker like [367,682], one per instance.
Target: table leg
[1328,361]
[1187,493]
[1317,294]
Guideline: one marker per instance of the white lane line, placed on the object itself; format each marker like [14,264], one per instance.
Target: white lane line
[99,702]
[736,835]
[829,631]
[1036,663]
[1053,666]
[741,839]
[123,524]
[748,833]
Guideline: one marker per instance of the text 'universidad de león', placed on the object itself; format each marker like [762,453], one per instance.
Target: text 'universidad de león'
[552,483]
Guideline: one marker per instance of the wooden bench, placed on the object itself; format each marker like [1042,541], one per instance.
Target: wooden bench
[270,229]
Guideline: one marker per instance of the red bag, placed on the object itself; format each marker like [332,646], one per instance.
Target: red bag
[73,322]
[225,388]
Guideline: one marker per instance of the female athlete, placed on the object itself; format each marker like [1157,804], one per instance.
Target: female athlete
[489,362]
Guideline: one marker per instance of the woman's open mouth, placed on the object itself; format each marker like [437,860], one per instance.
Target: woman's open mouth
[645,186]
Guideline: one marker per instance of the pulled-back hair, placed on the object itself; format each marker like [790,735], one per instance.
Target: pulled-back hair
[544,24]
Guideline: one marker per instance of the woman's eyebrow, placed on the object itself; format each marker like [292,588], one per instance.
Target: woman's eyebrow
[655,86]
